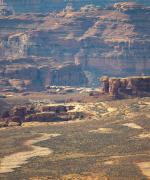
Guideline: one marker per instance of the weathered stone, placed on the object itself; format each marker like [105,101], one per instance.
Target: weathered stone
[47,113]
[33,77]
[44,116]
[114,85]
[46,6]
[112,41]
[17,114]
[105,84]
[57,109]
[130,85]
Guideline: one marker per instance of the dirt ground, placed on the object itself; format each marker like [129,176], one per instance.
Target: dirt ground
[112,143]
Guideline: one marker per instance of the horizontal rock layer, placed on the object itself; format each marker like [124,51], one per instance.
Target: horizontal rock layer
[50,5]
[22,77]
[111,41]
[129,85]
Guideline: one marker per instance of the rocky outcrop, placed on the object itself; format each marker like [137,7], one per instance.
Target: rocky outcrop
[16,114]
[130,85]
[46,113]
[105,84]
[56,109]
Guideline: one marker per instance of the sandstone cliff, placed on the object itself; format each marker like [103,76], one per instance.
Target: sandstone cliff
[57,5]
[24,76]
[134,86]
[111,41]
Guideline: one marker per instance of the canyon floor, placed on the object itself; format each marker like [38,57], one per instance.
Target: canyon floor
[112,142]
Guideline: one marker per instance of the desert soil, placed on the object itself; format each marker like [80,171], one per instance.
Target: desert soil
[112,142]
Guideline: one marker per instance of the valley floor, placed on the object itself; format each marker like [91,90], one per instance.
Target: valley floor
[112,142]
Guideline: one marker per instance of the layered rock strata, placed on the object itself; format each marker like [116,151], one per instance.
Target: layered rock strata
[41,6]
[112,41]
[22,77]
[47,113]
[129,85]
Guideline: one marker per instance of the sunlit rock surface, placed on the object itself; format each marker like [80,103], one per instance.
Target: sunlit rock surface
[112,40]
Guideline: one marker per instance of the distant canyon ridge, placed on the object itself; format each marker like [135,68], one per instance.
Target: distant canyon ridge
[44,6]
[71,45]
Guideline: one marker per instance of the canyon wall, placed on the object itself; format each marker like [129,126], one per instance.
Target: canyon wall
[22,77]
[43,6]
[92,40]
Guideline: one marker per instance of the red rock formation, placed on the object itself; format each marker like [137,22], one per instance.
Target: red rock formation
[47,113]
[114,85]
[132,85]
[36,76]
[112,41]
[105,84]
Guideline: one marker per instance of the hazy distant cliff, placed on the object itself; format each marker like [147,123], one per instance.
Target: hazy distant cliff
[113,40]
[44,6]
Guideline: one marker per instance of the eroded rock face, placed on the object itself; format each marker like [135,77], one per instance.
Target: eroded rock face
[16,114]
[105,84]
[56,109]
[24,77]
[44,113]
[114,85]
[69,75]
[129,85]
[112,41]
[42,6]
[5,10]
